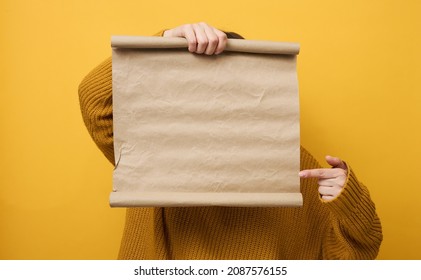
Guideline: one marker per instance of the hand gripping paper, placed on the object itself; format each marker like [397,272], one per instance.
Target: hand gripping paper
[198,130]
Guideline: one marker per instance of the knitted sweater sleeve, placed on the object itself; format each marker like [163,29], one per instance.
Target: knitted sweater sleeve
[355,231]
[353,228]
[95,97]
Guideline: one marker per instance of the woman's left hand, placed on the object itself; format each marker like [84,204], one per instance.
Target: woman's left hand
[331,180]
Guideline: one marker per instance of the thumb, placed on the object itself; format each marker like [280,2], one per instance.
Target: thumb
[336,162]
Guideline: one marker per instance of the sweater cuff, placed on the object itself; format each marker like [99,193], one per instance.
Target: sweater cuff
[351,200]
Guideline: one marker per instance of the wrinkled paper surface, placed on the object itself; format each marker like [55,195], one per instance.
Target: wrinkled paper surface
[197,130]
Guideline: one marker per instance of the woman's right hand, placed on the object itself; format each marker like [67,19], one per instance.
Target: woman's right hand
[201,37]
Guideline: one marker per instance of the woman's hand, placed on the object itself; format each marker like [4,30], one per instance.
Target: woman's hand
[201,37]
[331,180]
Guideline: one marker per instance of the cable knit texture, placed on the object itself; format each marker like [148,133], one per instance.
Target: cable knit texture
[345,228]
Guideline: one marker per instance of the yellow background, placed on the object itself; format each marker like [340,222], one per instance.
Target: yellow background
[359,72]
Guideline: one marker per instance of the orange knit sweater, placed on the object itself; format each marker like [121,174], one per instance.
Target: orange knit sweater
[345,228]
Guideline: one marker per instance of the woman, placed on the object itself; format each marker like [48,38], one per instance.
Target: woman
[338,219]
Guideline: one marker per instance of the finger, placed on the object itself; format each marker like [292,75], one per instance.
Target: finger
[336,182]
[326,191]
[190,35]
[322,173]
[329,192]
[328,183]
[201,37]
[336,162]
[327,197]
[222,41]
[185,31]
[212,39]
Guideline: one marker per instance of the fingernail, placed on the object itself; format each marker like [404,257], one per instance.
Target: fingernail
[301,173]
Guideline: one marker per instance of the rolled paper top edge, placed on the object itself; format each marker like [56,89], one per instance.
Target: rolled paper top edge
[177,199]
[233,45]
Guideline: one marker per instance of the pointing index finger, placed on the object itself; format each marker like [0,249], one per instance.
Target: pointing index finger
[321,173]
